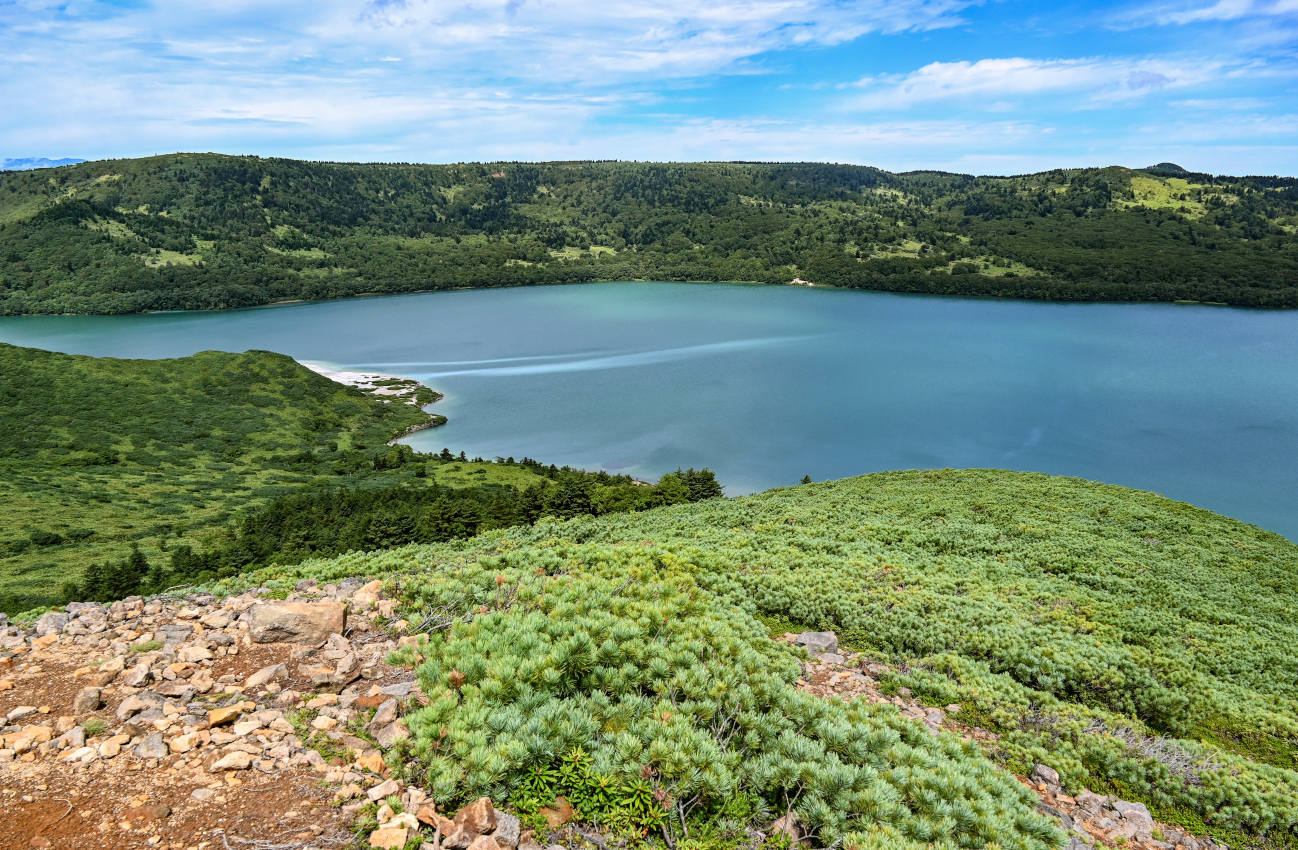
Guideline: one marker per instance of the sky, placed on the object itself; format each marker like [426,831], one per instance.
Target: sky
[993,87]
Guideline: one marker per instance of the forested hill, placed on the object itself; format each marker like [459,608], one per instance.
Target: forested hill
[213,231]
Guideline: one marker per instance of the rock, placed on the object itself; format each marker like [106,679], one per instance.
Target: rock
[832,658]
[389,837]
[1136,815]
[1041,773]
[137,676]
[478,818]
[147,812]
[787,826]
[508,829]
[184,743]
[52,623]
[194,654]
[373,762]
[298,622]
[401,689]
[386,713]
[558,814]
[387,788]
[87,700]
[227,714]
[152,747]
[109,749]
[174,633]
[483,842]
[817,643]
[237,760]
[264,675]
[386,736]
[202,795]
[368,594]
[20,712]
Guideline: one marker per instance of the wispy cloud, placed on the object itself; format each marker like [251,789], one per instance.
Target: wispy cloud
[990,81]
[1181,13]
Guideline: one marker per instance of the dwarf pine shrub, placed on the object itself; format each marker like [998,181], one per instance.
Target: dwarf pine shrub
[648,701]
[1138,645]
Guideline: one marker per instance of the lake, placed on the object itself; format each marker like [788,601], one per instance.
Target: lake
[766,384]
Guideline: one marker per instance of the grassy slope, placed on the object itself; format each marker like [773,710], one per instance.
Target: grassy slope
[102,451]
[1089,625]
[204,231]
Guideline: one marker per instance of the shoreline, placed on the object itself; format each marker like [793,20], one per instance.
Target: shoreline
[380,386]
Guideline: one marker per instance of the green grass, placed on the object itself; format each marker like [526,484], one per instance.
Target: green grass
[470,474]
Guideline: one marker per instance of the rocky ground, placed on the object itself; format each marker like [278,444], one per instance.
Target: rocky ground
[248,723]
[1090,820]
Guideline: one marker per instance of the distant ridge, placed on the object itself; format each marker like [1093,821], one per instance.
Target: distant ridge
[209,231]
[28,163]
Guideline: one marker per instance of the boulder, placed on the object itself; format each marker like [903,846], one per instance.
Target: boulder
[52,623]
[152,747]
[296,622]
[1047,775]
[87,700]
[389,837]
[237,760]
[817,643]
[264,675]
[508,829]
[479,817]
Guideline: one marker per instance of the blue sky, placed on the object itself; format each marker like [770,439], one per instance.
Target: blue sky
[995,87]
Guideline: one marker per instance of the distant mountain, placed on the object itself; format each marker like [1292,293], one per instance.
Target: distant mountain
[27,163]
[205,231]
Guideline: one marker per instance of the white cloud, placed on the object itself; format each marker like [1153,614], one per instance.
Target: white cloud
[1194,13]
[992,81]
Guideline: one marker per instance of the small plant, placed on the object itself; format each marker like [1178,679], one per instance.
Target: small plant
[94,726]
[147,646]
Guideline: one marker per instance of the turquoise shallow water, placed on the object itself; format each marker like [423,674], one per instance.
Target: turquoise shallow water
[765,384]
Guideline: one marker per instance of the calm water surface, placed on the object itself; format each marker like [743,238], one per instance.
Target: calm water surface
[766,384]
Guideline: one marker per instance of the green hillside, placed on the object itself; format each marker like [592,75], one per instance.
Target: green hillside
[96,453]
[1139,645]
[202,231]
[163,472]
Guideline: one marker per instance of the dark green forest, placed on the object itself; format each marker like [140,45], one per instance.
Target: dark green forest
[207,231]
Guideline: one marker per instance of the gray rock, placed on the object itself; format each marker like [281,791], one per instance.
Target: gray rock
[1136,815]
[52,623]
[297,622]
[1076,842]
[832,658]
[152,747]
[1048,775]
[87,700]
[400,689]
[137,676]
[202,795]
[383,789]
[264,675]
[817,643]
[508,829]
[174,633]
[386,713]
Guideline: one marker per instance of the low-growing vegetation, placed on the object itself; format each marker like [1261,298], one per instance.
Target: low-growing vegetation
[1138,645]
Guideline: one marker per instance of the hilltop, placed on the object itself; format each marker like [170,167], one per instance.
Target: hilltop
[206,231]
[1113,649]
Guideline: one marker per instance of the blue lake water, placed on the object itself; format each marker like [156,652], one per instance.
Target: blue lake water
[766,384]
